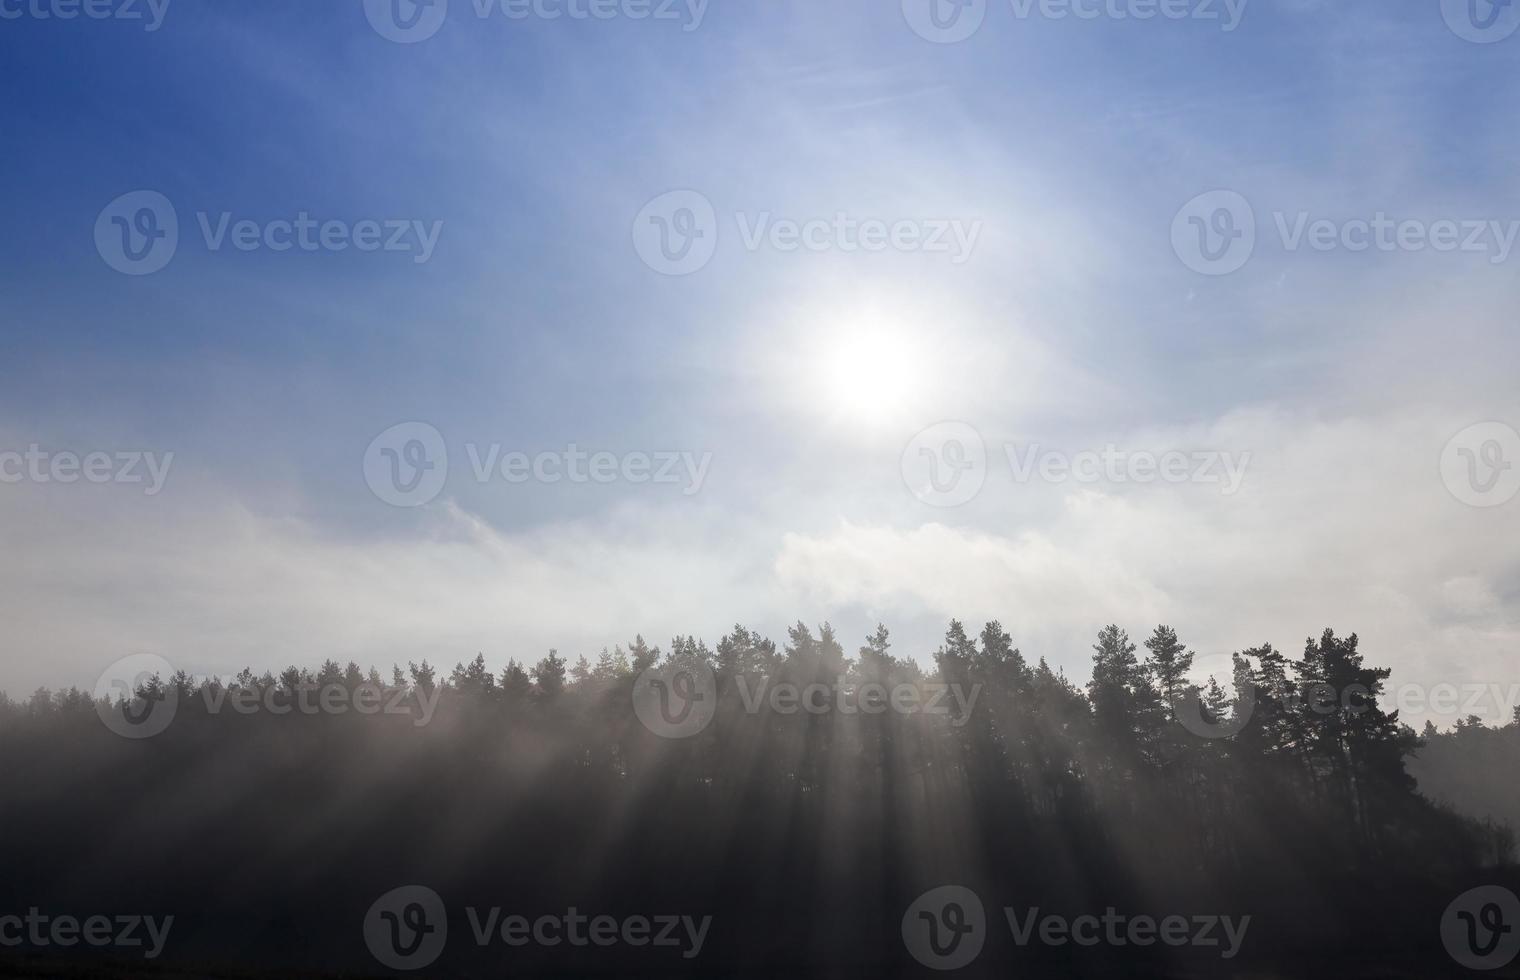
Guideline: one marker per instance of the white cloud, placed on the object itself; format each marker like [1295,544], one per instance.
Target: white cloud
[1343,524]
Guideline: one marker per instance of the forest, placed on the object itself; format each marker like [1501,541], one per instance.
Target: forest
[1284,794]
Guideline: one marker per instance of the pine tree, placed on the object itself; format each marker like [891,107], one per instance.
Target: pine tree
[1168,666]
[516,685]
[423,676]
[642,655]
[475,679]
[1127,709]
[549,677]
[1360,747]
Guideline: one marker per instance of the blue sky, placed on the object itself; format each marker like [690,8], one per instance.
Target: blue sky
[532,144]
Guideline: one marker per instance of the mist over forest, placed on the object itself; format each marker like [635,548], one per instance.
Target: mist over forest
[399,399]
[837,784]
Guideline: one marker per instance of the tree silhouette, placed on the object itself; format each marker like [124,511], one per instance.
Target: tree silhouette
[823,821]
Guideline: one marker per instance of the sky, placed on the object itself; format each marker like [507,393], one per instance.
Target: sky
[755,313]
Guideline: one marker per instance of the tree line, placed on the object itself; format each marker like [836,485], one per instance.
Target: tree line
[1283,789]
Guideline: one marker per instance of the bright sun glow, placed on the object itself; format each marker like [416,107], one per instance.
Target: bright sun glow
[868,373]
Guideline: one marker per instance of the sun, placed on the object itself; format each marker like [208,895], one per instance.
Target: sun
[862,364]
[867,374]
